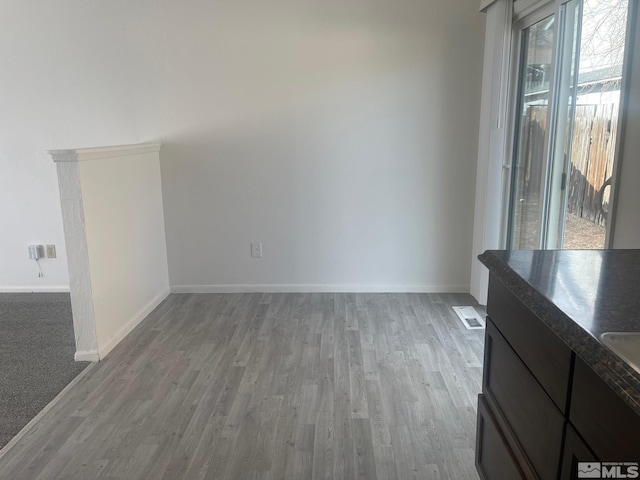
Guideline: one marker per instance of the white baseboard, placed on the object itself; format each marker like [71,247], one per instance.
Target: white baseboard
[31,289]
[133,323]
[300,288]
[86,356]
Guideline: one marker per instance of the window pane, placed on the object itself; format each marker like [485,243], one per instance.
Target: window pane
[594,121]
[529,165]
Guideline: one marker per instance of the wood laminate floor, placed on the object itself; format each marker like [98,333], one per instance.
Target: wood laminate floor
[271,386]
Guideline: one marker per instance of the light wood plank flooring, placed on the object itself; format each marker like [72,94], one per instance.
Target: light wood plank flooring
[271,386]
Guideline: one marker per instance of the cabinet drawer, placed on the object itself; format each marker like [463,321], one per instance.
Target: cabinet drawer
[575,450]
[608,425]
[494,460]
[516,397]
[545,355]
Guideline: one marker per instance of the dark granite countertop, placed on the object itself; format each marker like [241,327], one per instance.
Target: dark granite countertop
[580,294]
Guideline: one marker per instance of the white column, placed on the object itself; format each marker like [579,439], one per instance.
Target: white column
[78,257]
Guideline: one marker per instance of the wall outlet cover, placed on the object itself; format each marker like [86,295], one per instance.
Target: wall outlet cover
[256,250]
[51,251]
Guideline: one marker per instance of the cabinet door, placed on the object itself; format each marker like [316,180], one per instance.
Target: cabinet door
[494,460]
[575,450]
[522,407]
[541,350]
[608,425]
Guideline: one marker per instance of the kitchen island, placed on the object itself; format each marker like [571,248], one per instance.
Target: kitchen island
[553,393]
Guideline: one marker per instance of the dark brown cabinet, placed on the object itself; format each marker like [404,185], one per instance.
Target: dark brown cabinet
[545,355]
[494,459]
[575,450]
[607,424]
[542,410]
[528,413]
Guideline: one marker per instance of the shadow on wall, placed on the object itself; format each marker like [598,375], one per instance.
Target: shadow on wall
[347,156]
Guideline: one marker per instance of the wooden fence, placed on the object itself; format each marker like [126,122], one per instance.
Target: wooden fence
[592,153]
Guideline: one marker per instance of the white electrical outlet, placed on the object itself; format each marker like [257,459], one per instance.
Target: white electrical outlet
[256,250]
[51,251]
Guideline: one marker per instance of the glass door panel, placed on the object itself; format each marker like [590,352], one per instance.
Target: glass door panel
[529,166]
[589,102]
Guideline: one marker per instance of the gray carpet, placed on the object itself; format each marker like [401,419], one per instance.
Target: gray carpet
[36,355]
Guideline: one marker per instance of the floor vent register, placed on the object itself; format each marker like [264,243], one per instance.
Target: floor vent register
[469,317]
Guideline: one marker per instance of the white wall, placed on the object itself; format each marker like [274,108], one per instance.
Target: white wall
[65,81]
[124,221]
[342,135]
[117,206]
[626,229]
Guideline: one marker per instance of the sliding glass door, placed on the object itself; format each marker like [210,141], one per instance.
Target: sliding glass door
[532,134]
[568,84]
